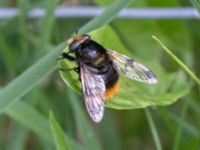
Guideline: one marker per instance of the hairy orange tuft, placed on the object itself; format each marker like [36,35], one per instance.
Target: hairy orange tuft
[110,92]
[79,37]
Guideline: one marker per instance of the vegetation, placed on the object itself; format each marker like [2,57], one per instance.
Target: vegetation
[39,111]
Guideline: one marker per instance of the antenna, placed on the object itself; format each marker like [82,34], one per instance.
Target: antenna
[76,31]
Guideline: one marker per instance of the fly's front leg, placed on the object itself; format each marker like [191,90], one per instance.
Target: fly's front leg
[71,58]
[76,69]
[66,56]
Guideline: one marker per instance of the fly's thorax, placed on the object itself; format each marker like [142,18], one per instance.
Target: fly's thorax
[100,61]
[92,54]
[94,58]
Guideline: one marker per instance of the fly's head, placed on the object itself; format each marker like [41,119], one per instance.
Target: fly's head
[76,41]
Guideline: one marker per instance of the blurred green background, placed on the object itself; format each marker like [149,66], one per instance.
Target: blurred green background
[25,124]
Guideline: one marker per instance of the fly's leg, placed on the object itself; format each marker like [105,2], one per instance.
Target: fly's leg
[76,69]
[66,56]
[71,58]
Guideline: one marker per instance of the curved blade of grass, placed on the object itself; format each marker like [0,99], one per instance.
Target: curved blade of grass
[179,130]
[27,80]
[106,16]
[22,27]
[27,115]
[153,129]
[47,25]
[196,4]
[59,137]
[18,139]
[191,74]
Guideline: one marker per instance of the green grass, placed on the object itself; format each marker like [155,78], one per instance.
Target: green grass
[59,136]
[179,62]
[153,129]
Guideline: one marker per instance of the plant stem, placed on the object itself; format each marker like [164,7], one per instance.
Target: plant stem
[191,74]
[180,127]
[153,129]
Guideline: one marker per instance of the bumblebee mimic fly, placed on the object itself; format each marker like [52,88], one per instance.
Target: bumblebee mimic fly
[99,69]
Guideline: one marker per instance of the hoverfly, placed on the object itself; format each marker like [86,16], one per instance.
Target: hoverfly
[99,69]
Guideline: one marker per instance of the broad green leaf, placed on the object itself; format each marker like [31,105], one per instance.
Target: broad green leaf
[133,94]
[59,137]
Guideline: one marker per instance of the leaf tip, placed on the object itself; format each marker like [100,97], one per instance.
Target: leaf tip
[154,37]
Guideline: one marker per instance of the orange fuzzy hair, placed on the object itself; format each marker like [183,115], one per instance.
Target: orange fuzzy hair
[110,92]
[79,37]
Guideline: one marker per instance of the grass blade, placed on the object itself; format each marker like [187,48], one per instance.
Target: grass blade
[180,127]
[153,129]
[18,139]
[59,136]
[47,25]
[106,16]
[17,112]
[26,81]
[22,27]
[191,74]
[196,4]
[7,55]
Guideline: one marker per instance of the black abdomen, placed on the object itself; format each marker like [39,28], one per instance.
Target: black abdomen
[109,74]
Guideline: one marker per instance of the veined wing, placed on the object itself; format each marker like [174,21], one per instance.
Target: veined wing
[131,68]
[93,88]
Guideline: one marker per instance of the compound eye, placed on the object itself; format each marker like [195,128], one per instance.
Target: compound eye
[74,46]
[86,36]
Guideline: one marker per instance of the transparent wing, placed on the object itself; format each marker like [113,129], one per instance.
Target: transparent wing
[131,68]
[93,88]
